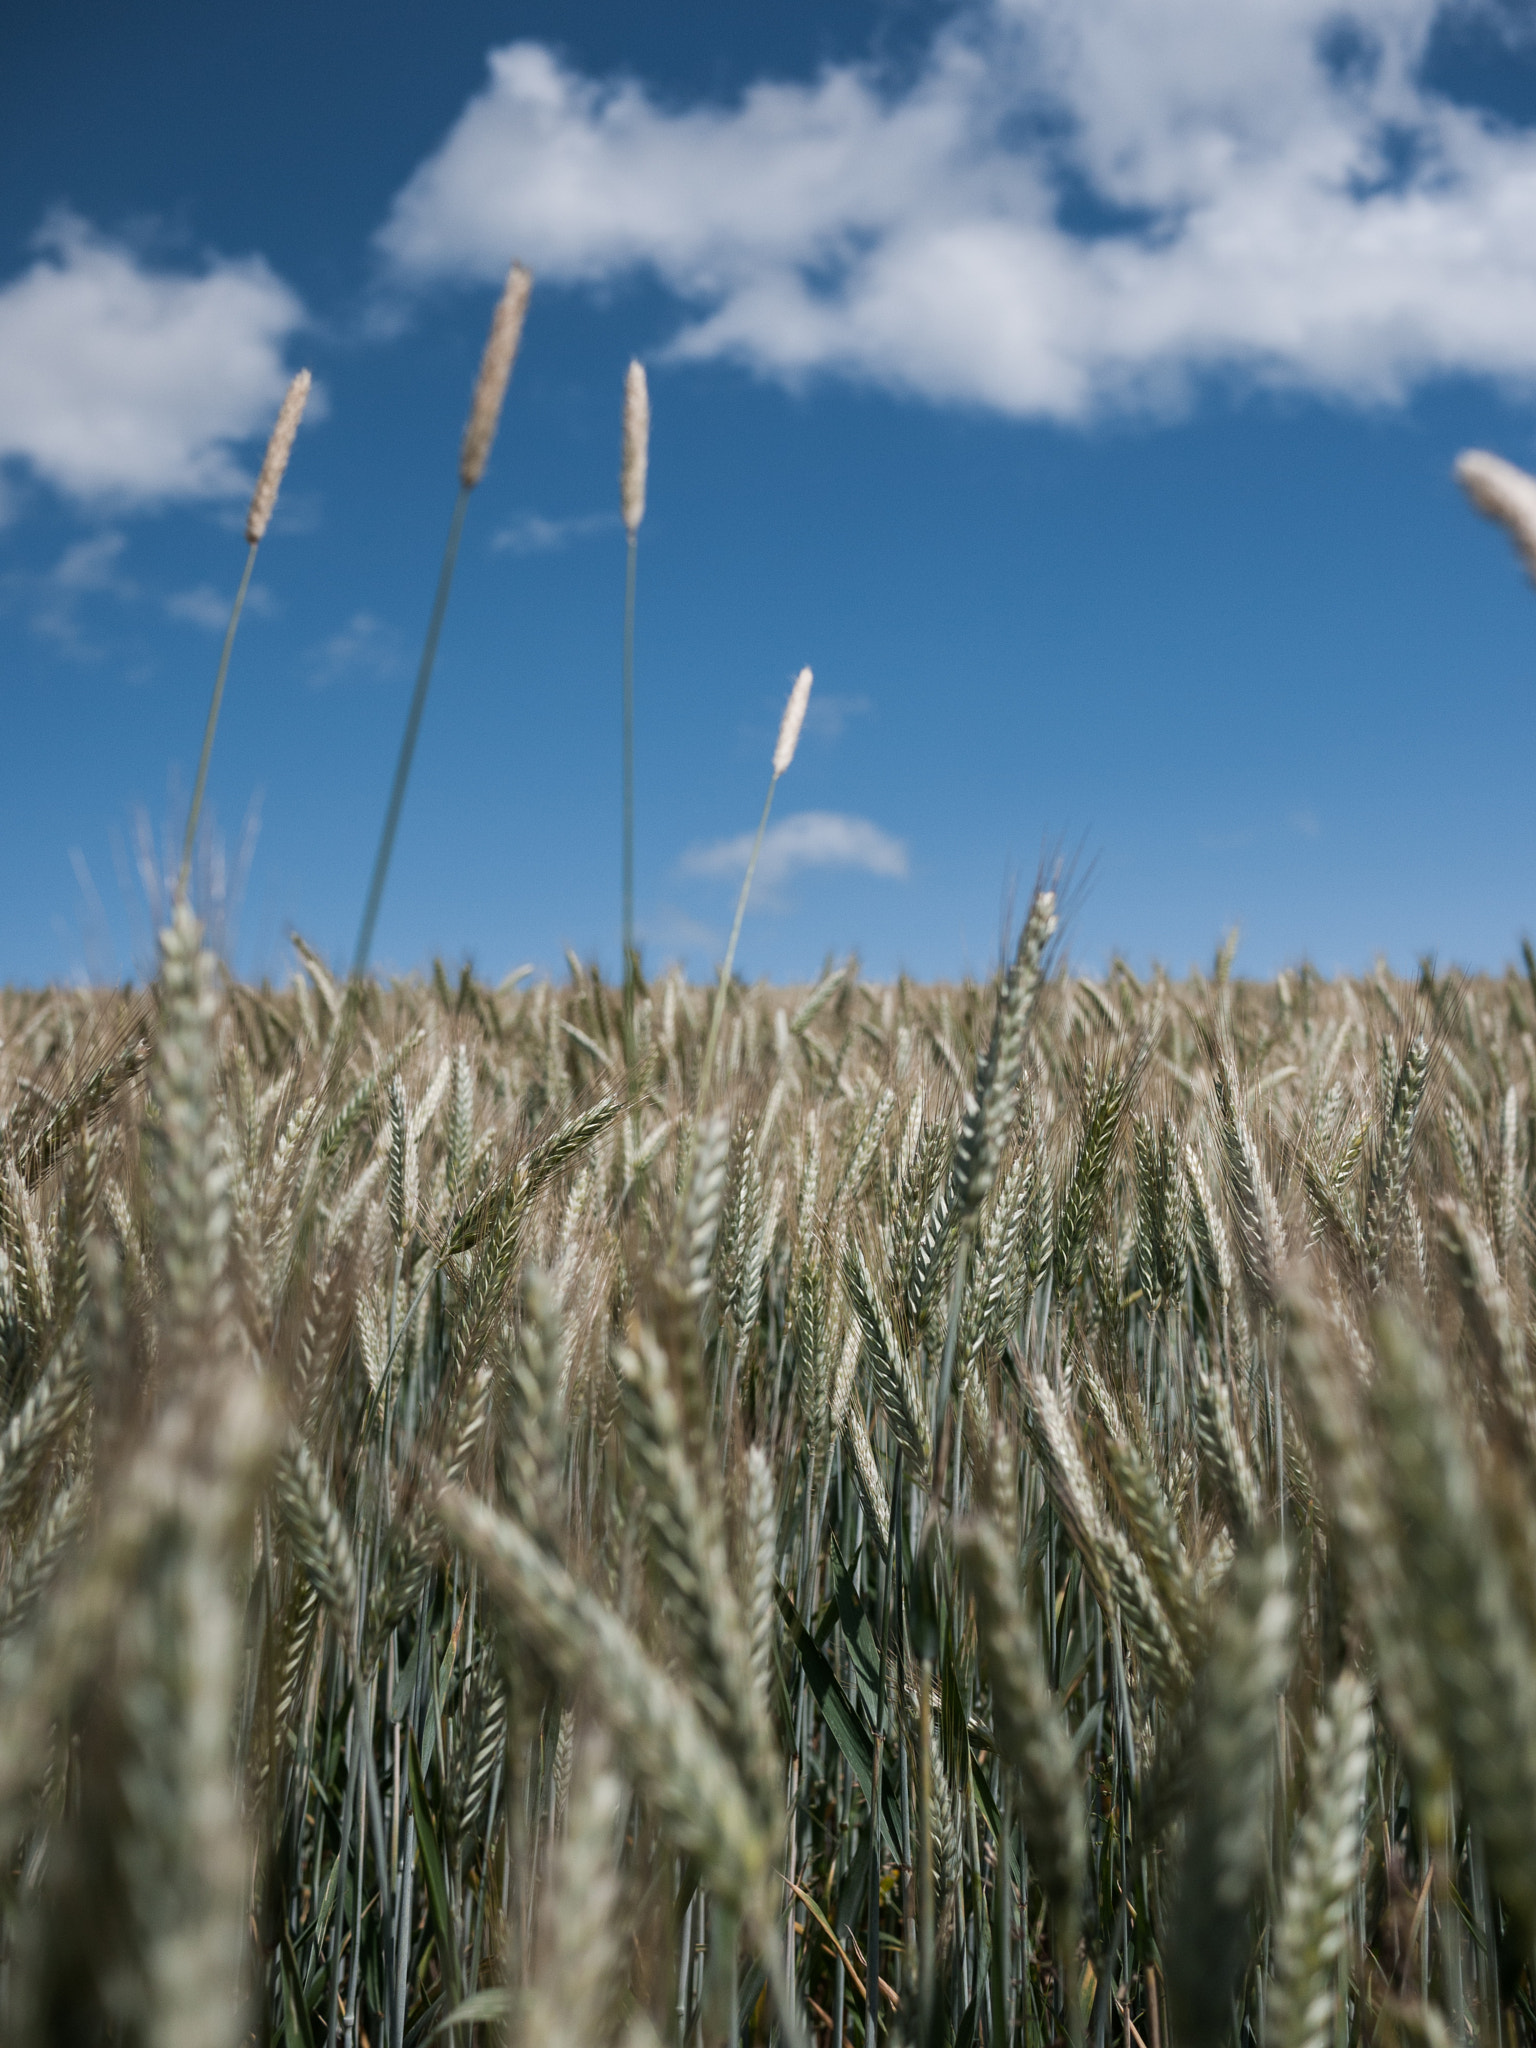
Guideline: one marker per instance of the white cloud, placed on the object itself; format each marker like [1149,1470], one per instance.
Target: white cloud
[55,599]
[1075,205]
[828,715]
[207,607]
[674,931]
[365,646]
[124,383]
[808,839]
[91,564]
[534,534]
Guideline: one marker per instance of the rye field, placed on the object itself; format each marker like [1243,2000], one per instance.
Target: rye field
[1001,1513]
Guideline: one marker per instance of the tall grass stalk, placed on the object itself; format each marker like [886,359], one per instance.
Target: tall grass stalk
[634,463]
[479,435]
[418,705]
[783,754]
[257,519]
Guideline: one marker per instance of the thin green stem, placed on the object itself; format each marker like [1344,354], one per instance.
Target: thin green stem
[891,1598]
[786,2001]
[717,1015]
[947,1368]
[629,757]
[408,742]
[925,1882]
[1002,1910]
[213,720]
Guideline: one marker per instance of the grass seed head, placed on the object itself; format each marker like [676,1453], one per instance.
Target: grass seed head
[495,371]
[1504,493]
[791,722]
[637,445]
[275,461]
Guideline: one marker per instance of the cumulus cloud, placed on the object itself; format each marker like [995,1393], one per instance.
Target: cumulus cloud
[56,600]
[829,716]
[366,647]
[207,607]
[534,534]
[125,383]
[1074,206]
[808,839]
[674,930]
[91,564]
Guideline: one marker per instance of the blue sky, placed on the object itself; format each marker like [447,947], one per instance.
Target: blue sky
[1075,388]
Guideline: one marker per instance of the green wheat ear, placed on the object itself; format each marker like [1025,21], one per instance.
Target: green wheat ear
[1226,1829]
[1313,1928]
[662,1741]
[1027,1723]
[1462,1596]
[576,1997]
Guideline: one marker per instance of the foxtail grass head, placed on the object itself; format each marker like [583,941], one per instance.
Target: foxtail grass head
[275,461]
[495,371]
[637,446]
[791,722]
[1501,491]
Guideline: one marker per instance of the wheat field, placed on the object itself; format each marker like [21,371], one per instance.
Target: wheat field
[1006,1513]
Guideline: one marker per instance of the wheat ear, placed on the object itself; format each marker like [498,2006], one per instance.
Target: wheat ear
[988,1116]
[1227,1826]
[896,1380]
[1260,1230]
[1484,1666]
[1394,1155]
[1031,1735]
[1324,1869]
[663,1744]
[688,1542]
[1324,1381]
[580,1970]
